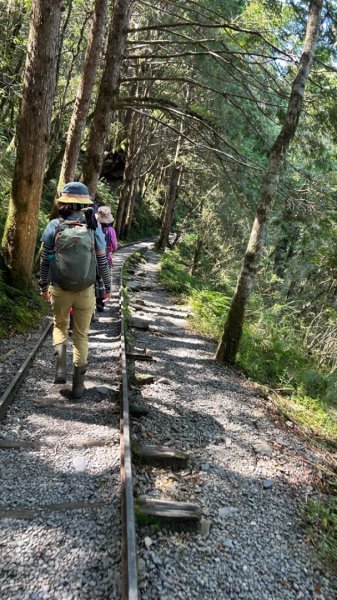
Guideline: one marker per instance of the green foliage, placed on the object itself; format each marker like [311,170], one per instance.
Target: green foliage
[272,349]
[174,275]
[19,311]
[145,221]
[145,520]
[315,415]
[209,309]
[132,261]
[322,528]
[105,194]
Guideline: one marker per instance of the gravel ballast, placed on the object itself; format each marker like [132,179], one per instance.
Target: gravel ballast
[248,472]
[60,534]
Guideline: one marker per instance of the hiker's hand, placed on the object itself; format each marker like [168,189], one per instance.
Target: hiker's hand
[107,296]
[46,296]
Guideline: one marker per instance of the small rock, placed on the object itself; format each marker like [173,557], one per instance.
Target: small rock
[148,542]
[205,525]
[227,511]
[141,565]
[262,448]
[267,484]
[79,463]
[156,560]
[103,389]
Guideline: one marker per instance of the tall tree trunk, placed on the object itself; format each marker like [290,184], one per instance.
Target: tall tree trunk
[62,102]
[130,129]
[32,141]
[107,95]
[136,197]
[129,188]
[229,344]
[197,253]
[284,248]
[163,238]
[84,93]
[175,176]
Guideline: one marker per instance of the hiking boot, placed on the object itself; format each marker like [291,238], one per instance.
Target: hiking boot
[60,351]
[78,382]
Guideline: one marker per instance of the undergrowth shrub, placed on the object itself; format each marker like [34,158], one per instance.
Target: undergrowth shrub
[209,308]
[322,528]
[20,311]
[272,349]
[174,275]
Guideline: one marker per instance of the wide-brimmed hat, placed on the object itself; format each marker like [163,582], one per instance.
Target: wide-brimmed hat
[75,192]
[104,215]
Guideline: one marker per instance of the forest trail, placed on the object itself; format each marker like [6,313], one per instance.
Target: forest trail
[249,473]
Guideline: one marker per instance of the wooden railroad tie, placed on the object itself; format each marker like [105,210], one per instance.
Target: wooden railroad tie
[178,516]
[142,357]
[160,456]
[140,323]
[20,512]
[138,411]
[7,444]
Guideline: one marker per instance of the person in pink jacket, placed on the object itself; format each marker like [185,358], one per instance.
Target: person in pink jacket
[106,220]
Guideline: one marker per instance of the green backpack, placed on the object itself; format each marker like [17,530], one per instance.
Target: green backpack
[75,257]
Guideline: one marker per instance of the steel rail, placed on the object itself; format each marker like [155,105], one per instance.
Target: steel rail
[6,397]
[128,541]
[129,547]
[129,550]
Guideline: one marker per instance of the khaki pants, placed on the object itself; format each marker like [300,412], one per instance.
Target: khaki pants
[83,304]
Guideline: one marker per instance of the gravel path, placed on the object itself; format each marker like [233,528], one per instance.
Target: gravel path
[68,546]
[248,473]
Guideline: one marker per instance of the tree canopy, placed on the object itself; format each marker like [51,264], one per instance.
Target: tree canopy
[170,112]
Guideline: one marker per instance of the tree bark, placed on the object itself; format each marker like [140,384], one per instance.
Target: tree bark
[175,177]
[107,95]
[197,253]
[84,93]
[163,238]
[229,343]
[284,248]
[32,141]
[130,186]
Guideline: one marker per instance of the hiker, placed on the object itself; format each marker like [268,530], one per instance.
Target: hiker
[73,247]
[106,220]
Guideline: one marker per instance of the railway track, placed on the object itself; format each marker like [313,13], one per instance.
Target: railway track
[208,462]
[66,471]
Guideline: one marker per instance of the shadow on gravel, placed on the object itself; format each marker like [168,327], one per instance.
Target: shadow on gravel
[190,380]
[171,427]
[98,411]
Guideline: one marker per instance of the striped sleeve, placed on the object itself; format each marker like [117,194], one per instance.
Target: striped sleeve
[103,269]
[44,268]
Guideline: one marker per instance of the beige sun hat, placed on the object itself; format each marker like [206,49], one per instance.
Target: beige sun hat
[104,215]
